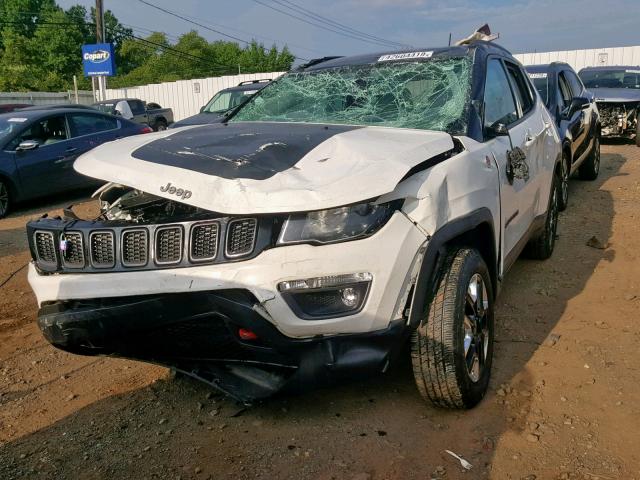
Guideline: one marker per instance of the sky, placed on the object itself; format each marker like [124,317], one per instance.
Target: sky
[524,25]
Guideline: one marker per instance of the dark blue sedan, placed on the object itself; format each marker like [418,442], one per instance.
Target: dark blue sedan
[38,148]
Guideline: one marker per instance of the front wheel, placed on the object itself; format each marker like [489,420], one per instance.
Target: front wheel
[591,166]
[452,349]
[160,126]
[5,199]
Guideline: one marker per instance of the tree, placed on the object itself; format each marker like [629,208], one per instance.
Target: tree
[40,45]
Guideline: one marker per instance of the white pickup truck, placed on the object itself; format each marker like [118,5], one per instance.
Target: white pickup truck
[351,206]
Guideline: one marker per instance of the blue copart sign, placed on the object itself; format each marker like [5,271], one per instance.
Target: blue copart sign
[98,59]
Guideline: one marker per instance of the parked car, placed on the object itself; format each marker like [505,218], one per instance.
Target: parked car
[576,116]
[38,148]
[617,92]
[349,207]
[223,102]
[55,106]
[10,107]
[138,111]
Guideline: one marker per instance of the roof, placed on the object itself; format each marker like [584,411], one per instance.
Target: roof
[114,100]
[610,68]
[248,86]
[370,58]
[546,67]
[35,114]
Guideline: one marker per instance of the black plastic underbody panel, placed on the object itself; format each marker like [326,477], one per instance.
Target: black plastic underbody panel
[197,333]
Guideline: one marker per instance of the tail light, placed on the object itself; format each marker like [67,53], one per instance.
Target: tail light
[146,130]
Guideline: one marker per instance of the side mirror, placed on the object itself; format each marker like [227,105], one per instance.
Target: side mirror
[500,130]
[577,104]
[27,145]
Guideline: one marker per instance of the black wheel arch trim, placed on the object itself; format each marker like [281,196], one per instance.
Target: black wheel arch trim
[426,283]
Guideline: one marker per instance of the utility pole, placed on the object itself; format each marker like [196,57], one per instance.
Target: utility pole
[100,36]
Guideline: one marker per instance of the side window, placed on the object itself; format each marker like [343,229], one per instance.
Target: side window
[564,91]
[86,124]
[46,132]
[574,81]
[499,105]
[521,87]
[137,107]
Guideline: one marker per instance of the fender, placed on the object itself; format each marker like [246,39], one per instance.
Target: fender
[436,249]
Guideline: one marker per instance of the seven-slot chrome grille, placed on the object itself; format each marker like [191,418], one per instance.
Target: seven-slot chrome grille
[96,246]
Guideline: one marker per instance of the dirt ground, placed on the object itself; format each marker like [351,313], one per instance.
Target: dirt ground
[563,402]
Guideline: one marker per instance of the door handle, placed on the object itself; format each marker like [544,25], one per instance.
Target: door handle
[71,150]
[529,139]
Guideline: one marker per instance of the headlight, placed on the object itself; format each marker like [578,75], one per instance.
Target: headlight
[336,224]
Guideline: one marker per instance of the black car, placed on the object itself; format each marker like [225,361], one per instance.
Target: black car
[223,102]
[577,118]
[38,148]
[617,92]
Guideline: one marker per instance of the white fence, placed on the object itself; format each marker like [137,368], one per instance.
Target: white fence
[46,98]
[185,97]
[585,58]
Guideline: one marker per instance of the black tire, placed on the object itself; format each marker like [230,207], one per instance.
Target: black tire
[160,126]
[591,166]
[565,173]
[450,332]
[541,247]
[5,198]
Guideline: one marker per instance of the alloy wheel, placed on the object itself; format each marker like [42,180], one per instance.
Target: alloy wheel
[476,328]
[552,218]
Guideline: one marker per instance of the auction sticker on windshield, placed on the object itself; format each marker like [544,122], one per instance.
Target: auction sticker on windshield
[537,75]
[404,56]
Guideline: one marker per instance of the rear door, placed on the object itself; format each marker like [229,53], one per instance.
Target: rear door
[44,169]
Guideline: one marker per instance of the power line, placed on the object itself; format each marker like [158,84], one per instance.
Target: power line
[322,19]
[275,40]
[181,17]
[344,34]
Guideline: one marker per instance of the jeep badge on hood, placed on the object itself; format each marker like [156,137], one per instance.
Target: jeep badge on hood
[180,192]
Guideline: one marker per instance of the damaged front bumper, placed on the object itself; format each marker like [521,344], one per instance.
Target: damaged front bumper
[189,317]
[200,334]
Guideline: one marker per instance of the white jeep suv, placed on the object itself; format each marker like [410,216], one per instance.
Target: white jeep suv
[350,206]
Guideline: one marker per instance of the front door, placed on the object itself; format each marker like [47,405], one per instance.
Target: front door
[46,168]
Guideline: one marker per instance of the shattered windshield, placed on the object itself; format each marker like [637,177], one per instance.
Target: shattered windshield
[629,78]
[431,95]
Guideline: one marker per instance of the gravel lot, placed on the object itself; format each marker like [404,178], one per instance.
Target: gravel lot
[562,405]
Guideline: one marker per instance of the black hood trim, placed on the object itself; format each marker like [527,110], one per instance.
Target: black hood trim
[248,150]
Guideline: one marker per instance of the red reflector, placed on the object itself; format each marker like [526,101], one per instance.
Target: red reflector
[245,334]
[146,130]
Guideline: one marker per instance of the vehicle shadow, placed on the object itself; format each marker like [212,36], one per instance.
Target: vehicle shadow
[51,202]
[376,428]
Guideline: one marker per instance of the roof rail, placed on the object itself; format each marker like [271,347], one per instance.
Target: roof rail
[248,82]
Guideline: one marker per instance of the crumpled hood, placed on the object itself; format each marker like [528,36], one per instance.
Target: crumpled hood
[254,167]
[616,95]
[199,119]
